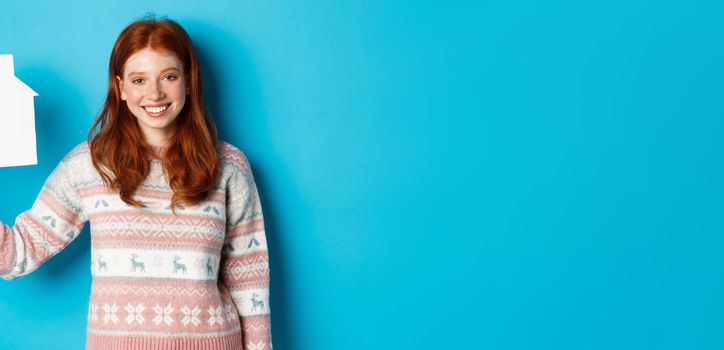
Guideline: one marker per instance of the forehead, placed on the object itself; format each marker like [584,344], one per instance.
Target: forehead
[151,61]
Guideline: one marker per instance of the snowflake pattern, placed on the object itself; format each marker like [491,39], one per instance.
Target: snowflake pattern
[110,313]
[93,315]
[230,312]
[215,315]
[190,316]
[163,314]
[135,314]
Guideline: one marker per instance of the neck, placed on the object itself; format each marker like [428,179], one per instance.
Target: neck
[157,151]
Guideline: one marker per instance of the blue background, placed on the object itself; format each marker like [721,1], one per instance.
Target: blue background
[434,175]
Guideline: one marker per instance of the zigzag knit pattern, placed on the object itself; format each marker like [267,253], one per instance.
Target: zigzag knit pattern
[195,280]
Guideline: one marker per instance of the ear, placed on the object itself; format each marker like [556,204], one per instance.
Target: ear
[120,87]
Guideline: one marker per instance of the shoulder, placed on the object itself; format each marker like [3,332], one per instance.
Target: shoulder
[79,154]
[80,149]
[75,166]
[232,156]
[235,169]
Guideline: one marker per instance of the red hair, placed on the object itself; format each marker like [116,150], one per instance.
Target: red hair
[118,149]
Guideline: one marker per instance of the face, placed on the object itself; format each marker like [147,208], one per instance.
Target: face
[154,88]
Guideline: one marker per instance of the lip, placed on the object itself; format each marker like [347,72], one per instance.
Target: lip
[157,104]
[159,114]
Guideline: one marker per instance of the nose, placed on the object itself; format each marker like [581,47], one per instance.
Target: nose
[155,92]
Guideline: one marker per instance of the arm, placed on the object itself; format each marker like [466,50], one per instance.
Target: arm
[245,259]
[41,232]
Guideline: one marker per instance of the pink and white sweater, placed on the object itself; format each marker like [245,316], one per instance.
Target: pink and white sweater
[195,280]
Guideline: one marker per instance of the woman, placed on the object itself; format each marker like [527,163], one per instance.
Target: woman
[178,249]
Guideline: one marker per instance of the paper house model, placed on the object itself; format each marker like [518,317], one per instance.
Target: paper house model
[17,118]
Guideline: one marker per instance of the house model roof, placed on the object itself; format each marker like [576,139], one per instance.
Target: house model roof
[9,83]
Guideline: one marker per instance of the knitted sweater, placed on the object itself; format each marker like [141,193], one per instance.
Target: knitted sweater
[195,280]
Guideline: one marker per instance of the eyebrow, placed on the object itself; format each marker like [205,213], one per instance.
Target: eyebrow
[163,71]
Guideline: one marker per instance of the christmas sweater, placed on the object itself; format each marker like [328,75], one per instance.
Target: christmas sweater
[197,279]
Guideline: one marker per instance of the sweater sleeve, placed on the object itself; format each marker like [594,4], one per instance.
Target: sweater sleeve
[54,220]
[245,260]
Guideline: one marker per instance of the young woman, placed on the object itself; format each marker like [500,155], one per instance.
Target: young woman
[178,249]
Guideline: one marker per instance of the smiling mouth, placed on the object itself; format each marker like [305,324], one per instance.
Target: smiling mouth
[157,109]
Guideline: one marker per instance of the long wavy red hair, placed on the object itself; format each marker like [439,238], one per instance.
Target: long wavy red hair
[119,152]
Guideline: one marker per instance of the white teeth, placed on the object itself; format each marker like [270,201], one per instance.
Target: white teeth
[156,109]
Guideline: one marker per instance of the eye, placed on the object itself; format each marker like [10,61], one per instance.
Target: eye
[137,81]
[170,77]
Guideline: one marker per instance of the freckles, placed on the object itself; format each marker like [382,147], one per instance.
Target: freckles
[134,95]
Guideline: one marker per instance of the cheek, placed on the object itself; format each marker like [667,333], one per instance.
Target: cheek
[178,94]
[178,90]
[133,96]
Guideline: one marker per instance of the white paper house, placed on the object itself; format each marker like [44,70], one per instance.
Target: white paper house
[17,118]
